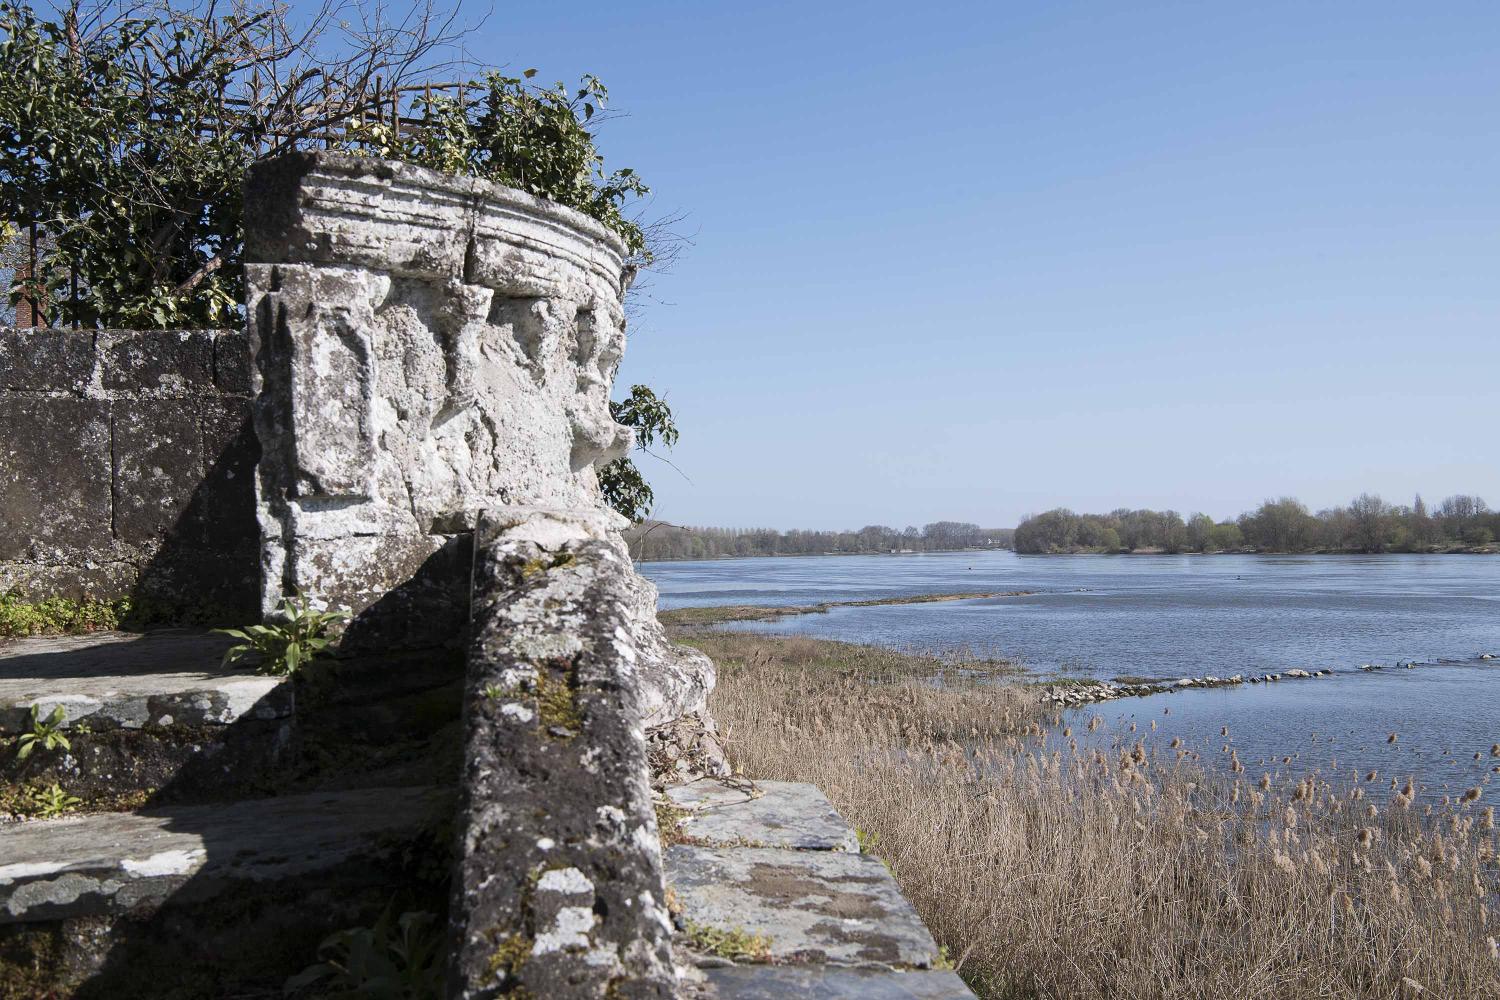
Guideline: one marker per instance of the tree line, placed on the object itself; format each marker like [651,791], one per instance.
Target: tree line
[657,540]
[1367,524]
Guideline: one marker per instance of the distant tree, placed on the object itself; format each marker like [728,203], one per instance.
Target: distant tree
[1371,524]
[1282,525]
[1226,537]
[1051,531]
[1200,531]
[1420,529]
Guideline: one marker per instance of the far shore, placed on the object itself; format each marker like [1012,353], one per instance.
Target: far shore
[1481,550]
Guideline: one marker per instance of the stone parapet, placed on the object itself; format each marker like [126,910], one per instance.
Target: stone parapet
[127,468]
[558,888]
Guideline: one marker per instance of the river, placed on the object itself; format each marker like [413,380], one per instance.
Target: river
[1190,616]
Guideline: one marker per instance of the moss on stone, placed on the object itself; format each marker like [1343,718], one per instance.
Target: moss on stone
[29,957]
[555,703]
[543,563]
[58,615]
[669,817]
[727,942]
[510,955]
[21,617]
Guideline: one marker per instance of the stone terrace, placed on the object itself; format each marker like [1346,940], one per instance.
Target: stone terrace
[425,383]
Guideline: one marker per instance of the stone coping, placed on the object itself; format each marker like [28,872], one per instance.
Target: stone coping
[126,680]
[815,982]
[113,862]
[811,906]
[407,211]
[785,814]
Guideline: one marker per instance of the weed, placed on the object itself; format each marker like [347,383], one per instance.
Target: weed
[285,646]
[53,801]
[400,958]
[46,733]
[1008,835]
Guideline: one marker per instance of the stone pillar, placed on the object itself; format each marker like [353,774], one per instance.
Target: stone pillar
[426,347]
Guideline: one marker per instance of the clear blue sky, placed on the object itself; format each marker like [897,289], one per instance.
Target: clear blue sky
[971,261]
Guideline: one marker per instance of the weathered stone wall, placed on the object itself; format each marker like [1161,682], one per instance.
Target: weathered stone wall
[127,468]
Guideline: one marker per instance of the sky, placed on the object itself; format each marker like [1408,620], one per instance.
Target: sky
[970,261]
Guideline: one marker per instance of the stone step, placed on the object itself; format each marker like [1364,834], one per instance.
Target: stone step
[119,680]
[787,814]
[809,906]
[822,982]
[115,863]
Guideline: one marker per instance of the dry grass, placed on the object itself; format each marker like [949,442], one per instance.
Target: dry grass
[1054,870]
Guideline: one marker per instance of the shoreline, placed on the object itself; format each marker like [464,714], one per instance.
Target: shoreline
[717,614]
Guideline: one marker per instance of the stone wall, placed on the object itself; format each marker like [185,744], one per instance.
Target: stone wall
[127,468]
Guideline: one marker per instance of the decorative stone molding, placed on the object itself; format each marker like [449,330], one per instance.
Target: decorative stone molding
[429,346]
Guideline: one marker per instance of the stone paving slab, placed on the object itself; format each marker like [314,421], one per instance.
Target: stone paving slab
[774,814]
[110,863]
[126,680]
[813,906]
[821,982]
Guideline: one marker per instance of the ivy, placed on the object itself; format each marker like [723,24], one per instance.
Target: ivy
[621,482]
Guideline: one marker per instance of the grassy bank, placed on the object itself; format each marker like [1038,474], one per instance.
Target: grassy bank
[1054,870]
[695,617]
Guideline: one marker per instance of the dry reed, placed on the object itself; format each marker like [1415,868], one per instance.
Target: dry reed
[1059,870]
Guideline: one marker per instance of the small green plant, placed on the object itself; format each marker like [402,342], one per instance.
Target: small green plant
[494,692]
[46,733]
[943,961]
[400,958]
[867,840]
[285,646]
[53,801]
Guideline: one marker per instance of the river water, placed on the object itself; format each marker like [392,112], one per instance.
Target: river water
[1190,616]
